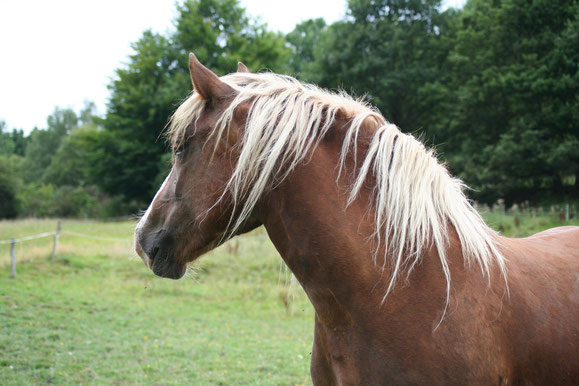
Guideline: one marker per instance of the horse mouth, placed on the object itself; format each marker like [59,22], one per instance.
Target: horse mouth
[162,265]
[160,256]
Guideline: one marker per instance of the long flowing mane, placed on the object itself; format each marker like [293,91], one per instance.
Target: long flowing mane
[414,201]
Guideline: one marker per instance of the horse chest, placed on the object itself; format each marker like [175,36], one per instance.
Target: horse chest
[347,356]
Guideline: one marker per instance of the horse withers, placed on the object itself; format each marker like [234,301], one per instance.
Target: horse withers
[407,282]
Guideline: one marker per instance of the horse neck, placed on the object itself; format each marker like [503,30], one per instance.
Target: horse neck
[329,247]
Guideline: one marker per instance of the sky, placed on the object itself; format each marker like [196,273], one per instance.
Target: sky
[64,52]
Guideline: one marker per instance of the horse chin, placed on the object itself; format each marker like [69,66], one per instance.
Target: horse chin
[168,269]
[164,264]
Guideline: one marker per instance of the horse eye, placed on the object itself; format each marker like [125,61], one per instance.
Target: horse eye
[178,152]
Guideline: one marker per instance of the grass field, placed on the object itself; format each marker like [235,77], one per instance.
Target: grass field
[96,314]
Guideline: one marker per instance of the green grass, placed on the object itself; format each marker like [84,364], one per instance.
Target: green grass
[96,314]
[523,224]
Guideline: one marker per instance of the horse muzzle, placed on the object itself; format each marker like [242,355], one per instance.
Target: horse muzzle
[156,249]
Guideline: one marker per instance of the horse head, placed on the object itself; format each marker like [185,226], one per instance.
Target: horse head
[191,211]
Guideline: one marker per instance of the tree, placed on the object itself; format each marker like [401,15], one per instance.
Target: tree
[142,98]
[387,50]
[303,41]
[8,203]
[13,142]
[43,144]
[71,164]
[88,113]
[493,85]
[513,126]
[220,33]
[6,143]
[145,92]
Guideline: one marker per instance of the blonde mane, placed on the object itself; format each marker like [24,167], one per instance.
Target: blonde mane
[414,201]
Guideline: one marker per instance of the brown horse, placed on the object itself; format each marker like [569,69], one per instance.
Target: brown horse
[408,284]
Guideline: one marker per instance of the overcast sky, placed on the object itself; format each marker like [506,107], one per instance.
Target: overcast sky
[62,52]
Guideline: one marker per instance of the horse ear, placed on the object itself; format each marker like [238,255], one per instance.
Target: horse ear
[205,82]
[242,68]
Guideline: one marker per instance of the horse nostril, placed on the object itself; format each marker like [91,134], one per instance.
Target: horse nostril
[152,252]
[149,245]
[156,244]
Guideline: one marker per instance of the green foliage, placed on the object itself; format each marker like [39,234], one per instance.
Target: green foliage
[11,142]
[48,173]
[46,200]
[386,50]
[513,127]
[6,146]
[494,84]
[69,201]
[303,41]
[72,162]
[8,203]
[35,200]
[43,144]
[6,143]
[220,34]
[156,78]
[118,165]
[143,96]
[87,114]
[56,176]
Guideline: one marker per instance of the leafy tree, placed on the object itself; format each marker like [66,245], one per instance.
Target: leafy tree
[13,142]
[8,203]
[513,125]
[71,163]
[220,33]
[303,41]
[70,201]
[147,90]
[61,122]
[387,50]
[19,141]
[142,98]
[494,85]
[43,144]
[125,169]
[6,143]
[35,200]
[88,113]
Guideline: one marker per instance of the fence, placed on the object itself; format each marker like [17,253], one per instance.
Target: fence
[55,235]
[564,212]
[232,245]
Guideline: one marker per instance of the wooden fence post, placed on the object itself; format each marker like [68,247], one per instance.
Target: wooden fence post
[12,258]
[56,234]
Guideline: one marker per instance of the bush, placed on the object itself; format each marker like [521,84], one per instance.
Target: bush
[34,200]
[8,203]
[46,200]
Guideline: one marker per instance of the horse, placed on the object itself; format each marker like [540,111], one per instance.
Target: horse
[408,284]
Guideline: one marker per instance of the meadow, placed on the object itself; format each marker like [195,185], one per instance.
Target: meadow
[95,314]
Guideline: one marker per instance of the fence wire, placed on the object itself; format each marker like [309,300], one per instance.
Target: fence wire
[27,238]
[46,234]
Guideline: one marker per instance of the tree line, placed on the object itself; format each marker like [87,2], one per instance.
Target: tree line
[492,86]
